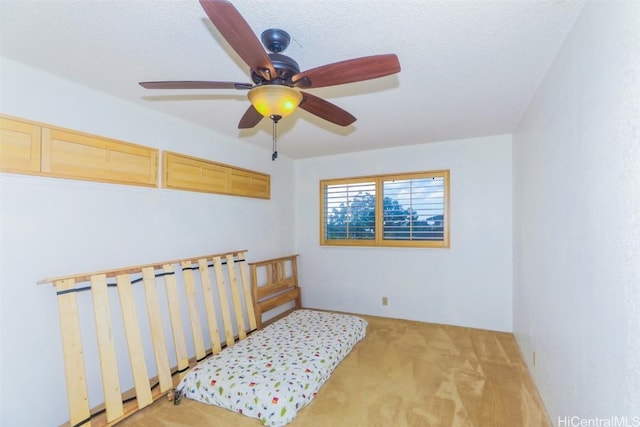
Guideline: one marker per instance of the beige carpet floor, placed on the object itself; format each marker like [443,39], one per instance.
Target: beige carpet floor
[402,374]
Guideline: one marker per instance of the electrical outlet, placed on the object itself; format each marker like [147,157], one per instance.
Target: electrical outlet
[385,301]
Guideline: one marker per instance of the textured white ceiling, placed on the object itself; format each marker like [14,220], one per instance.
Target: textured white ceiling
[469,68]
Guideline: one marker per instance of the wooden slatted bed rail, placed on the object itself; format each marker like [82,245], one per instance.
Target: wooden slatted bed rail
[213,293]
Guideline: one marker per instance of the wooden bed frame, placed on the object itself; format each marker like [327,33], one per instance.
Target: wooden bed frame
[154,300]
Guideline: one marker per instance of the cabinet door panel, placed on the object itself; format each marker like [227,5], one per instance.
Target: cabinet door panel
[186,173]
[80,156]
[250,184]
[19,146]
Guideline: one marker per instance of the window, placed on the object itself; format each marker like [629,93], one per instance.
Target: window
[410,209]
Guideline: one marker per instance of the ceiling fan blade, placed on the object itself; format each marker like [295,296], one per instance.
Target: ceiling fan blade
[325,110]
[194,85]
[349,71]
[239,35]
[250,118]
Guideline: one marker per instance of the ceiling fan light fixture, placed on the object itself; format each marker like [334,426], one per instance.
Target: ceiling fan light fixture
[274,100]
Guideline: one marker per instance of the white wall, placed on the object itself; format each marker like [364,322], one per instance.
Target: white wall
[577,221]
[52,227]
[468,284]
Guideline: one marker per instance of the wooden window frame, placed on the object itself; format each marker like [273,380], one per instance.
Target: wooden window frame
[379,240]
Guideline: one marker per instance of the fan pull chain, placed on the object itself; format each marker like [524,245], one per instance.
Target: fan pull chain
[274,155]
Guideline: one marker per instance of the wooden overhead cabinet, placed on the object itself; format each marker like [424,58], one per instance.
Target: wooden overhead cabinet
[181,172]
[40,149]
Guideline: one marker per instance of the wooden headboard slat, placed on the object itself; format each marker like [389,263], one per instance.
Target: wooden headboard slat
[194,312]
[235,295]
[222,293]
[157,333]
[106,347]
[73,354]
[177,327]
[246,287]
[134,341]
[209,306]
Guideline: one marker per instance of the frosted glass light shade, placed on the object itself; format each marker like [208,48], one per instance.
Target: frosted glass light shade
[274,100]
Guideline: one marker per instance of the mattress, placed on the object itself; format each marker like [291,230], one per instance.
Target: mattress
[277,371]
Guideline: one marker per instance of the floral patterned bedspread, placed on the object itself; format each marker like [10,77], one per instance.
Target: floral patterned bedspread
[278,370]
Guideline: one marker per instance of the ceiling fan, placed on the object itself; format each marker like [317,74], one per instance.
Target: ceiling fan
[277,79]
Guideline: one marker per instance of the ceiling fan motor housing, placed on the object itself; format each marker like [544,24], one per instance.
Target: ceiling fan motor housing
[275,41]
[285,68]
